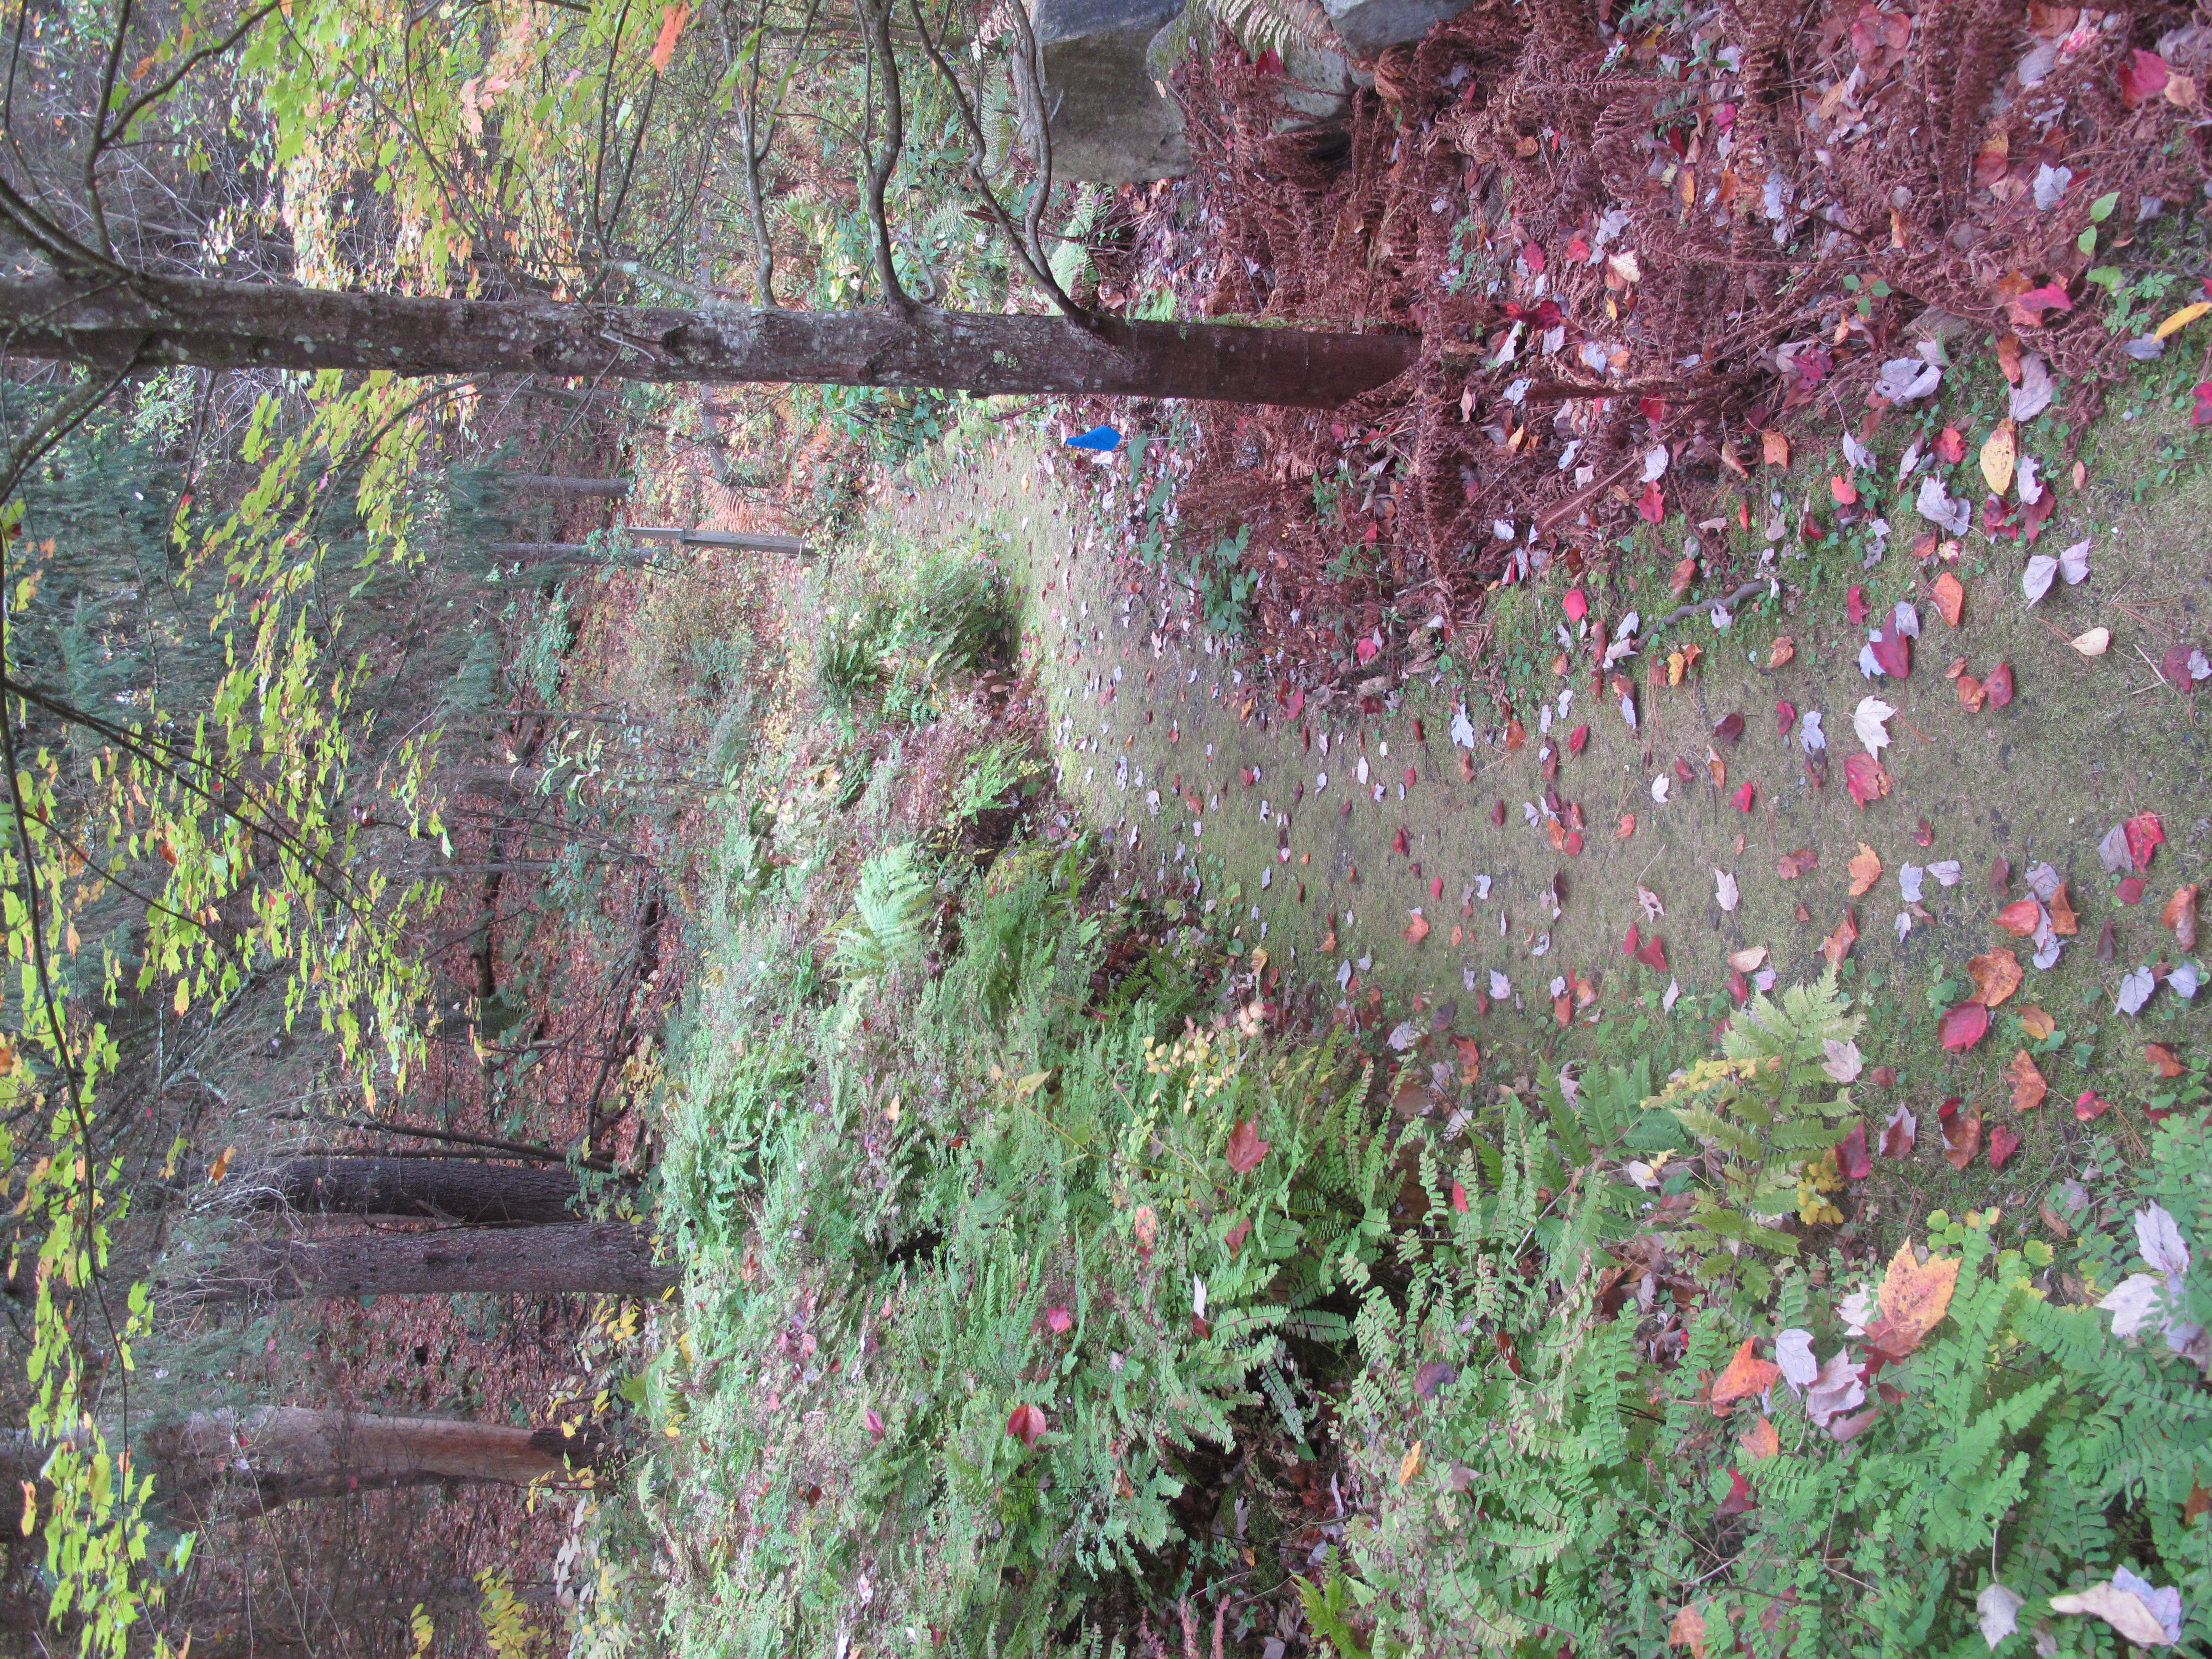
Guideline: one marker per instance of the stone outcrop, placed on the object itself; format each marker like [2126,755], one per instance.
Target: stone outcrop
[1110,123]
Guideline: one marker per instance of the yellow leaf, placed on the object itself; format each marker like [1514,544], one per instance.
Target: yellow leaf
[1915,1295]
[183,1000]
[1410,1464]
[1675,665]
[2182,318]
[30,1507]
[2037,1022]
[1031,1085]
[1866,869]
[2094,643]
[221,1167]
[1998,455]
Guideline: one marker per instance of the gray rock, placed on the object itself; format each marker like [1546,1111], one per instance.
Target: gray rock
[1110,124]
[1369,25]
[1318,82]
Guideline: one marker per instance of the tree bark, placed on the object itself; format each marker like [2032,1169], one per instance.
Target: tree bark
[451,1189]
[152,322]
[604,1258]
[223,1464]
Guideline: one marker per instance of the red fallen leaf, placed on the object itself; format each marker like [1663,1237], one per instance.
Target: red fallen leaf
[1962,1131]
[2202,414]
[1885,1076]
[1654,954]
[2052,296]
[1294,702]
[1028,1426]
[1893,651]
[1498,816]
[1652,503]
[1845,492]
[1851,1155]
[1738,1499]
[875,1423]
[2174,666]
[2131,890]
[1246,1148]
[1532,257]
[1411,778]
[1743,799]
[1057,1320]
[2091,1105]
[2143,77]
[1950,448]
[1785,716]
[1684,771]
[1235,1237]
[1899,1133]
[1925,835]
[1398,842]
[1652,408]
[1578,740]
[1574,843]
[1738,986]
[1866,778]
[1365,650]
[2003,1143]
[2032,514]
[1729,729]
[1576,604]
[2144,833]
[1964,1026]
[1998,685]
[2020,918]
[1459,1198]
[1437,888]
[1855,606]
[1629,945]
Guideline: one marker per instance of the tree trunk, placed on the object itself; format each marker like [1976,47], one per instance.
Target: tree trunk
[149,322]
[552,484]
[223,1464]
[450,1189]
[605,1258]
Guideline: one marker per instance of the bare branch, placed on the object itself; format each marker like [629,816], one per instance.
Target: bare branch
[875,21]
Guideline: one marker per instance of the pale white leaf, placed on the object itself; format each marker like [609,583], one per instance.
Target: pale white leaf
[1907,380]
[1935,505]
[2113,851]
[1659,788]
[1857,454]
[2074,564]
[2043,881]
[1908,619]
[1810,737]
[2035,391]
[2123,1610]
[1500,987]
[1949,871]
[2035,581]
[1724,890]
[1673,992]
[2159,1240]
[1866,719]
[1462,729]
[1842,1062]
[2136,989]
[1793,1351]
[1652,908]
[1908,882]
[1999,1612]
[1655,462]
[2025,485]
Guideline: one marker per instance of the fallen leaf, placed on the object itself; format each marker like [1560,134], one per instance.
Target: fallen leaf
[1578,740]
[2093,643]
[1996,975]
[2123,1609]
[1974,696]
[2020,918]
[1781,653]
[1433,1375]
[1146,1225]
[2062,919]
[1999,453]
[1964,1026]
[1838,945]
[1962,1134]
[2144,833]
[873,1423]
[1417,929]
[2003,1143]
[1740,1498]
[1743,797]
[221,1167]
[1855,606]
[1409,1465]
[1999,685]
[1914,1296]
[1774,448]
[1845,492]
[1866,778]
[1246,1148]
[1998,1607]
[1688,1631]
[2028,1088]
[1866,869]
[2163,1060]
[1744,960]
[1747,1375]
[1058,1320]
[1760,1441]
[1653,955]
[1724,890]
[1627,827]
[1028,1426]
[2089,1105]
[1950,597]
[2131,890]
[1801,862]
[2037,1023]
[1851,1155]
[1899,1133]
[2180,915]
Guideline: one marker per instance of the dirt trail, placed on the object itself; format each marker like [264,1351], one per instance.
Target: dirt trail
[1147,714]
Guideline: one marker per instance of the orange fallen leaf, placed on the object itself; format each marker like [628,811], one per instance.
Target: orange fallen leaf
[1774,448]
[1760,1439]
[1627,827]
[1915,1295]
[2028,1088]
[1962,1136]
[1950,597]
[2062,919]
[1845,492]
[1974,696]
[1782,653]
[1838,945]
[2180,915]
[1688,1631]
[1866,869]
[1417,929]
[2037,1021]
[2163,1060]
[1458,933]
[2019,918]
[1747,1375]
[1685,574]
[1996,975]
[1516,734]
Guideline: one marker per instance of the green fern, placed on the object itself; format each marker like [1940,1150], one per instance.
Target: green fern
[889,926]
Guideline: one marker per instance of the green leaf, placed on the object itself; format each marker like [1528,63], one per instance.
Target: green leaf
[2101,208]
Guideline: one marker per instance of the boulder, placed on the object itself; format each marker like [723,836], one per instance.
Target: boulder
[1110,123]
[1369,26]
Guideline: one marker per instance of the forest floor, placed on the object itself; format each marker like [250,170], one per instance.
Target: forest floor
[1406,877]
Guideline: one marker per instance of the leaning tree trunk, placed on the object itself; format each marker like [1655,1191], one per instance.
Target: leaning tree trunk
[149,322]
[213,1465]
[453,1190]
[605,1258]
